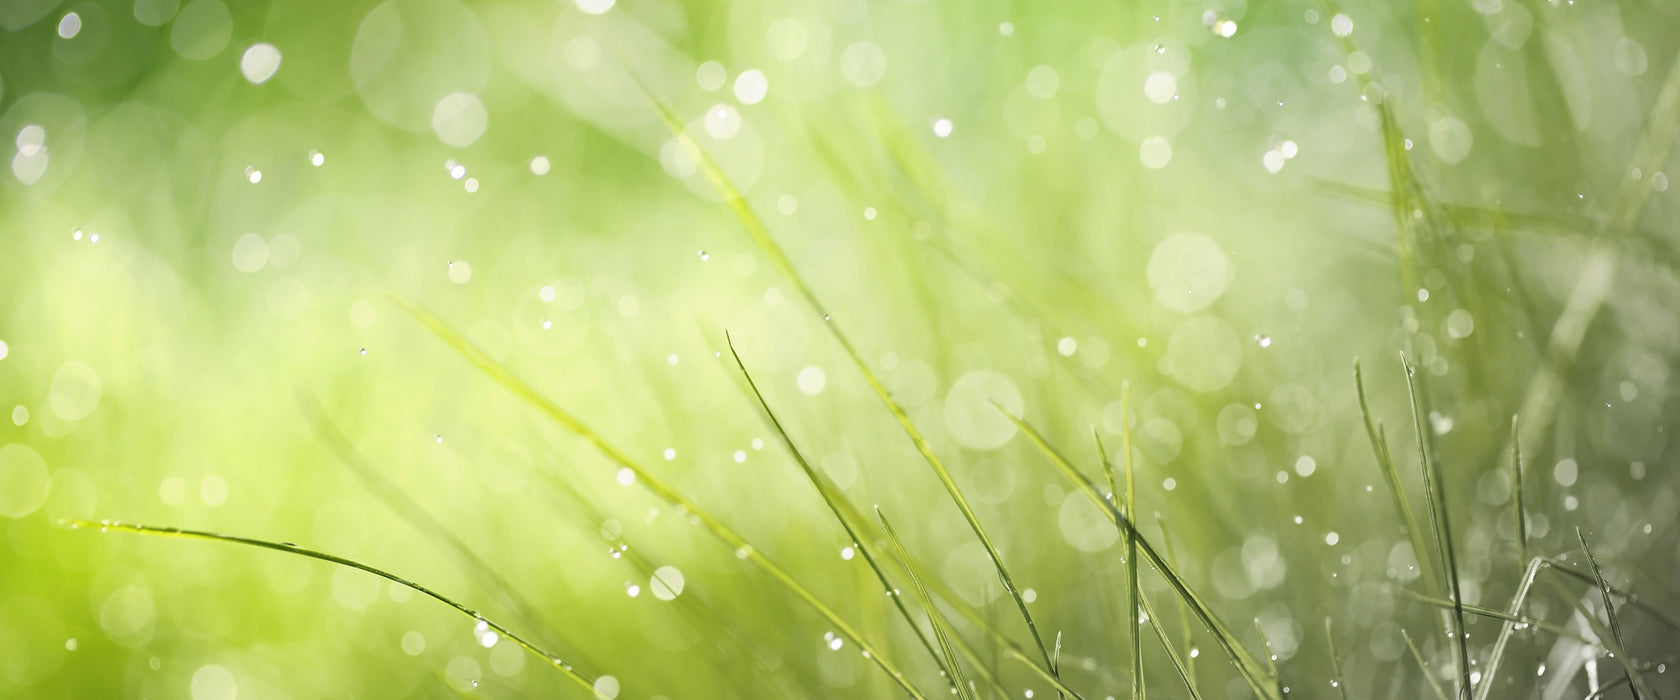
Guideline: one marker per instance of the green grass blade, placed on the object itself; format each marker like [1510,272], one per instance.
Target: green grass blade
[501,375]
[1517,488]
[109,526]
[1638,683]
[1656,613]
[1183,610]
[1512,619]
[1497,656]
[1178,662]
[1439,521]
[761,237]
[831,498]
[467,560]
[1248,667]
[1134,608]
[1428,675]
[1335,660]
[1266,648]
[1396,488]
[951,665]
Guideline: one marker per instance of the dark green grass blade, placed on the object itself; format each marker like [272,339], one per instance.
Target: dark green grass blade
[1634,678]
[1249,668]
[830,498]
[503,376]
[951,665]
[106,525]
[1439,521]
[1396,488]
[1517,488]
[1178,663]
[1335,660]
[1423,666]
[761,237]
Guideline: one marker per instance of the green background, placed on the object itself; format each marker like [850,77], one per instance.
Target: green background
[1217,205]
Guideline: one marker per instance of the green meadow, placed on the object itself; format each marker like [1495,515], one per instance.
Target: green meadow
[687,349]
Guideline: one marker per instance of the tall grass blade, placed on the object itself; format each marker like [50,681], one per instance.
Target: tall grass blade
[1656,613]
[1428,675]
[496,371]
[1396,488]
[1335,660]
[831,498]
[1497,656]
[1183,610]
[951,665]
[1634,678]
[1436,496]
[505,633]
[1134,624]
[761,237]
[1266,649]
[1178,662]
[1248,667]
[1517,488]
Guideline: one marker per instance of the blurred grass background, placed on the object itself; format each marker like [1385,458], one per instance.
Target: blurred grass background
[1217,204]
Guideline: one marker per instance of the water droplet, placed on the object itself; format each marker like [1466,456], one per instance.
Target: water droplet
[364,352]
[253,174]
[704,256]
[1263,341]
[437,439]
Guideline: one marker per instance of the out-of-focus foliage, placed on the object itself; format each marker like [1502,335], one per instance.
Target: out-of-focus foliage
[1219,204]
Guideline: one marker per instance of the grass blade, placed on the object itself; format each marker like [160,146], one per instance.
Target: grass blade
[830,498]
[761,237]
[1266,646]
[417,517]
[1178,663]
[1517,488]
[1250,668]
[1183,611]
[1131,548]
[951,665]
[1634,678]
[1497,656]
[106,525]
[1396,488]
[1436,496]
[1424,666]
[503,376]
[1335,660]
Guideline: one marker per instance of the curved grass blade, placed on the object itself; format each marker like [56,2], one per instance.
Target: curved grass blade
[1266,647]
[951,665]
[1423,666]
[1436,495]
[1512,619]
[1335,660]
[417,517]
[1638,683]
[503,376]
[1248,667]
[106,525]
[857,527]
[761,237]
[1396,488]
[829,498]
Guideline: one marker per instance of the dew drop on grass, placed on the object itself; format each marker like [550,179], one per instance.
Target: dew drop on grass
[704,257]
[364,352]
